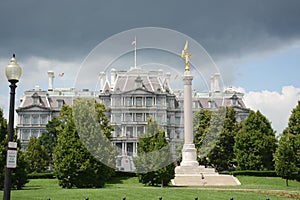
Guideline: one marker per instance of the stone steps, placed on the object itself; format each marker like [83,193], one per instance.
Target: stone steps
[209,180]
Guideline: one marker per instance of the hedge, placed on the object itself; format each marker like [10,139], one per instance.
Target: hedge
[51,175]
[45,175]
[124,174]
[254,173]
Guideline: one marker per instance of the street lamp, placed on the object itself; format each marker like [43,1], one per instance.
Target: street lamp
[13,73]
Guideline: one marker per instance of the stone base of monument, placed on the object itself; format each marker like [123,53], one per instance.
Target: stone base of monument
[192,176]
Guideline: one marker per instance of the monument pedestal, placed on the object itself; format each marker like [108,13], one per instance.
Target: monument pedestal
[190,173]
[192,176]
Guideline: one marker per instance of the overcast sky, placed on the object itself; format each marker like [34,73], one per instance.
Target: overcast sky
[255,44]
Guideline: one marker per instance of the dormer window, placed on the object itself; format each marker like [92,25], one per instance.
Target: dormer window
[60,103]
[138,82]
[212,104]
[234,100]
[36,99]
[196,104]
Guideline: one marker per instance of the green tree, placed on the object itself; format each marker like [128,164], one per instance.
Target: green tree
[74,164]
[49,138]
[92,125]
[214,137]
[255,143]
[287,155]
[3,147]
[222,155]
[154,163]
[36,156]
[201,122]
[102,118]
[19,174]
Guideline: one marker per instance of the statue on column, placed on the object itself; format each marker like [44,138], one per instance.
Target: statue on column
[186,56]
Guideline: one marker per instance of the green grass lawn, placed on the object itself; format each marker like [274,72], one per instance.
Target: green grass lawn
[252,188]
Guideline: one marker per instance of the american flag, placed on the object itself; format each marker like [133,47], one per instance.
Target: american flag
[61,74]
[133,42]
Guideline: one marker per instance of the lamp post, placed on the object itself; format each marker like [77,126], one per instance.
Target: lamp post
[13,73]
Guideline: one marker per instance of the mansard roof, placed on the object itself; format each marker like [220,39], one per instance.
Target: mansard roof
[127,81]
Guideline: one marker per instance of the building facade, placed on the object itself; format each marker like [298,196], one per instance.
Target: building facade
[133,96]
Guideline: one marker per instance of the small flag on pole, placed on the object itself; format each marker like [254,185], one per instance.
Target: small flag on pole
[61,74]
[133,42]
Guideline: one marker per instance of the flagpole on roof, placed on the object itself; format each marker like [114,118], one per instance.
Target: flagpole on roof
[134,43]
[135,53]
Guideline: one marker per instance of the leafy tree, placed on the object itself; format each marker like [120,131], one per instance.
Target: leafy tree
[74,164]
[19,174]
[102,119]
[222,155]
[214,137]
[211,135]
[255,143]
[287,155]
[154,163]
[92,125]
[201,122]
[3,147]
[36,156]
[49,138]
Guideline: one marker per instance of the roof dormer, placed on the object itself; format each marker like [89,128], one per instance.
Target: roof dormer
[36,99]
[234,100]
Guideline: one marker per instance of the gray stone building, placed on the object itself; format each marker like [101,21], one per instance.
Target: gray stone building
[132,96]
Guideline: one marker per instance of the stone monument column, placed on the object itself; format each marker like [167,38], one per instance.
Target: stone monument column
[189,154]
[190,173]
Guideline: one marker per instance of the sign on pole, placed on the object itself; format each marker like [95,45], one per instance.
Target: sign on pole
[11,161]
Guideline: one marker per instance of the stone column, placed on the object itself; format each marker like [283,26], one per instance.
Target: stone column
[189,155]
[123,148]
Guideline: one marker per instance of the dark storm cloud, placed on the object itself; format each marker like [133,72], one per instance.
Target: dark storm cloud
[69,29]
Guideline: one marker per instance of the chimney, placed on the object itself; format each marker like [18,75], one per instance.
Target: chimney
[216,82]
[101,76]
[51,77]
[37,88]
[168,76]
[113,77]
[212,84]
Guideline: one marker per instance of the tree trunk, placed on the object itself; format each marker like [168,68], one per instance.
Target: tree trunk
[287,182]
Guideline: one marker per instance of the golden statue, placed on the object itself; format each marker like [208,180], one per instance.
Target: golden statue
[185,55]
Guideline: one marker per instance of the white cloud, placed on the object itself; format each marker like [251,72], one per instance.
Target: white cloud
[34,72]
[275,106]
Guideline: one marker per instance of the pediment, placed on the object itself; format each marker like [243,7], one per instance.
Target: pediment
[138,91]
[33,108]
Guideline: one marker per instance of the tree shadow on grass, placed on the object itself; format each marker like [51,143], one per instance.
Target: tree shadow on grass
[32,187]
[122,178]
[117,180]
